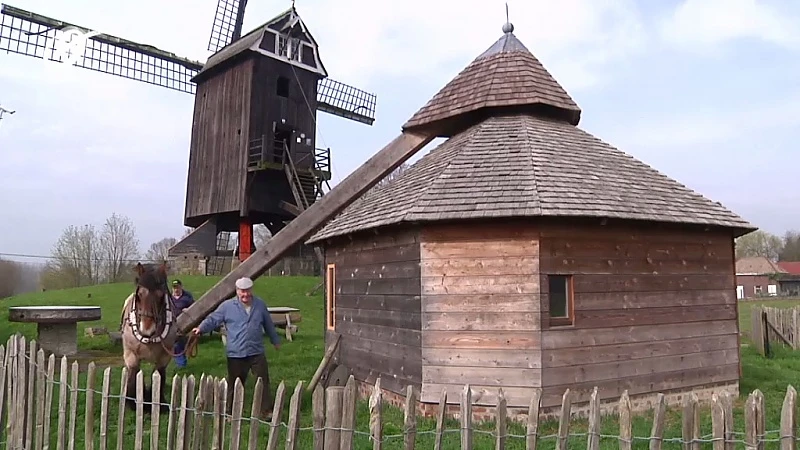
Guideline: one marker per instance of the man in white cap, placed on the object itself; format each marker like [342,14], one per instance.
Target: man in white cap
[246,318]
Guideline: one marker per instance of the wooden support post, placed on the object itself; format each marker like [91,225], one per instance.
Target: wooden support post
[245,238]
[341,196]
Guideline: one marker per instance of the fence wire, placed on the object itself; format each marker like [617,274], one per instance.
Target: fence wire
[707,438]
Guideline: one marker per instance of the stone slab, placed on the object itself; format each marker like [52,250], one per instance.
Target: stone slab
[58,338]
[54,314]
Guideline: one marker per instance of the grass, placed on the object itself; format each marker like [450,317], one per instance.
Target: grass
[299,359]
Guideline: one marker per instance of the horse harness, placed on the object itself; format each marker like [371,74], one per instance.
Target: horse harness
[133,321]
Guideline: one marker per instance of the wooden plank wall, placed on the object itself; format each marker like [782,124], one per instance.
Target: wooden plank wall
[654,311]
[480,312]
[217,160]
[377,309]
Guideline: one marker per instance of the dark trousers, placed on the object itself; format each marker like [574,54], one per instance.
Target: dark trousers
[239,367]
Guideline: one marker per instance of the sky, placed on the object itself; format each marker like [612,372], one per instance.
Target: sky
[705,91]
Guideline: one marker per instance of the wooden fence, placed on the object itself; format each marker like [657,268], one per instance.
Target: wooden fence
[196,418]
[775,326]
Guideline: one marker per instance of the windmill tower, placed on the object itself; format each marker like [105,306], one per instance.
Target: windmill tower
[253,156]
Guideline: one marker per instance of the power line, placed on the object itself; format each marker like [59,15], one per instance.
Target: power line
[82,259]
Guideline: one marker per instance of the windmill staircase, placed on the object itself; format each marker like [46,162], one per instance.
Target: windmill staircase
[307,187]
[217,263]
[308,182]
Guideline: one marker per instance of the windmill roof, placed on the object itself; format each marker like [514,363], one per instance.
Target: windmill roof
[504,76]
[521,165]
[251,41]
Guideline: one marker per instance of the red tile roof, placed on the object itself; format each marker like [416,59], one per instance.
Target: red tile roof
[793,267]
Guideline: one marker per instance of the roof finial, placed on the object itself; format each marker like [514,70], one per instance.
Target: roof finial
[508,27]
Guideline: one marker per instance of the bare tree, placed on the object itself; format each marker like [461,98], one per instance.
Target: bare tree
[396,173]
[76,256]
[159,251]
[759,243]
[791,246]
[261,234]
[10,278]
[118,246]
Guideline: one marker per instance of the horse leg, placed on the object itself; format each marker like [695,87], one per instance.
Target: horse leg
[130,390]
[164,406]
[132,364]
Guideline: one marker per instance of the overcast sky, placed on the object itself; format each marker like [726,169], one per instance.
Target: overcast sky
[706,91]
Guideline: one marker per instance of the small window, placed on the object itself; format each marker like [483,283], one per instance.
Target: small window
[283,87]
[330,296]
[561,299]
[758,290]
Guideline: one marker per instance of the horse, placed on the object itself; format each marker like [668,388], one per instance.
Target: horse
[148,331]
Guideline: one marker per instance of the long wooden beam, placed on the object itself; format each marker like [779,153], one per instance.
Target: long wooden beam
[310,220]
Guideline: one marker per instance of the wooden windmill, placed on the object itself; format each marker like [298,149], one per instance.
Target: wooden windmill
[253,157]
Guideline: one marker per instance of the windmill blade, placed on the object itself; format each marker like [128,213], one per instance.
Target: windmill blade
[227,25]
[32,34]
[339,99]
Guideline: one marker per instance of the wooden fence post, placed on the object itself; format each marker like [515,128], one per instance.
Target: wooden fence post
[789,420]
[333,416]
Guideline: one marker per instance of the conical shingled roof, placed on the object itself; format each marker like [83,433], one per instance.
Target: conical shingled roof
[521,164]
[505,76]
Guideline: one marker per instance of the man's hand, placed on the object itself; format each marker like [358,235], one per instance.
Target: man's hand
[196,331]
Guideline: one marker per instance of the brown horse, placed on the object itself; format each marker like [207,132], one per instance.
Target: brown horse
[148,331]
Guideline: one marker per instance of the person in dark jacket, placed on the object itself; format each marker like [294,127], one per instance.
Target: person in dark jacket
[246,318]
[181,298]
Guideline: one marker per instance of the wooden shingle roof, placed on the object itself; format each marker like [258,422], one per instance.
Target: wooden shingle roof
[506,75]
[527,166]
[514,163]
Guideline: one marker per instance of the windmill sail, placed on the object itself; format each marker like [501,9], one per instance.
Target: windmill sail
[227,25]
[35,35]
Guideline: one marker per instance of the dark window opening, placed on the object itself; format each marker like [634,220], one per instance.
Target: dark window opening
[560,297]
[283,87]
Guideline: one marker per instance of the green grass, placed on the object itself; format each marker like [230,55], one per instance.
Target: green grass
[299,359]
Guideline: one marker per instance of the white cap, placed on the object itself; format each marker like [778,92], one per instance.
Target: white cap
[244,283]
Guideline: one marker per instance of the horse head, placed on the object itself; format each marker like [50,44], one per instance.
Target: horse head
[150,297]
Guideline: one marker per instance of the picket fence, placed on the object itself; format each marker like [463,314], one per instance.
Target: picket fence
[197,420]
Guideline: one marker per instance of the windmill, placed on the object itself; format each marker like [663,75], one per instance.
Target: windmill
[253,157]
[5,111]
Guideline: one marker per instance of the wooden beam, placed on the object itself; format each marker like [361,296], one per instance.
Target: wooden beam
[290,208]
[341,196]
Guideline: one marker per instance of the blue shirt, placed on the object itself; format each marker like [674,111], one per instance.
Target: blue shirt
[245,332]
[182,302]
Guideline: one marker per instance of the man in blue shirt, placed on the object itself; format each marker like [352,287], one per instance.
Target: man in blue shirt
[181,299]
[246,318]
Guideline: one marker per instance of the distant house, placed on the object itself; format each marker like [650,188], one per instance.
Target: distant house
[757,277]
[789,282]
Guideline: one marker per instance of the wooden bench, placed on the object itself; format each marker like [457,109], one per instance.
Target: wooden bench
[284,317]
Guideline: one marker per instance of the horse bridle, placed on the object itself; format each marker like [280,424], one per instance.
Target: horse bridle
[134,314]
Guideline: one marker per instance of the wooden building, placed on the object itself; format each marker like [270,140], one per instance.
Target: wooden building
[524,252]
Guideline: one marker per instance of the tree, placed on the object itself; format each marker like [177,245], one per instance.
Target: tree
[159,251]
[791,246]
[76,257]
[759,243]
[118,247]
[396,173]
[261,234]
[10,278]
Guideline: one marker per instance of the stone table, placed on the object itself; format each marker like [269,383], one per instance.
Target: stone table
[57,325]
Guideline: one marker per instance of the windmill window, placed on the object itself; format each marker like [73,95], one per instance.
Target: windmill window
[283,87]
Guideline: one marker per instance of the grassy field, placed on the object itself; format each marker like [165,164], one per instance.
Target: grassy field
[299,359]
